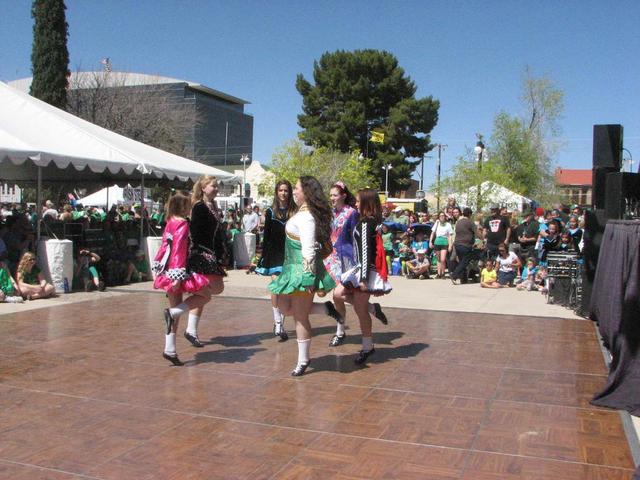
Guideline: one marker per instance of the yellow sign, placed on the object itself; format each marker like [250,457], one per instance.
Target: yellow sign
[377,137]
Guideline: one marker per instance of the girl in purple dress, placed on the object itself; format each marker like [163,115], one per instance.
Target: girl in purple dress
[345,218]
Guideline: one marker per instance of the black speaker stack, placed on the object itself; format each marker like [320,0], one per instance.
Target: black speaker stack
[615,194]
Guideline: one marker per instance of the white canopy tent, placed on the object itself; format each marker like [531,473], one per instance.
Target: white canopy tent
[106,197]
[32,131]
[39,141]
[492,194]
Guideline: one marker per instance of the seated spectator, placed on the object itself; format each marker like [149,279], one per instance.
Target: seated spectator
[419,243]
[566,243]
[527,278]
[549,240]
[576,232]
[67,214]
[405,253]
[541,279]
[31,281]
[508,264]
[49,213]
[488,276]
[138,269]
[419,266]
[86,274]
[9,291]
[79,215]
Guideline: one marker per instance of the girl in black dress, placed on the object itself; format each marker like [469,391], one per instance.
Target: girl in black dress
[207,251]
[272,258]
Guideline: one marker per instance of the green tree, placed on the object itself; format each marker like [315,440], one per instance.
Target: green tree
[519,155]
[49,54]
[356,93]
[294,159]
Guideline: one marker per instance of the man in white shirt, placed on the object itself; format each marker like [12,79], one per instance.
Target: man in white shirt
[250,220]
[49,211]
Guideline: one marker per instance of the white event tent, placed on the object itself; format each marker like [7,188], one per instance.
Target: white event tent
[41,142]
[35,136]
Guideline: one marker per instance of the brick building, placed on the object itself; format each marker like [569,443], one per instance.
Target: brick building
[576,186]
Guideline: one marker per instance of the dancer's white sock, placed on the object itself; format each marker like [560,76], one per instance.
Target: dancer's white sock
[277,316]
[340,329]
[192,324]
[303,351]
[371,308]
[367,344]
[170,344]
[179,310]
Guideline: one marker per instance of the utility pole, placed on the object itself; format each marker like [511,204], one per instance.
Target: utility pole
[441,146]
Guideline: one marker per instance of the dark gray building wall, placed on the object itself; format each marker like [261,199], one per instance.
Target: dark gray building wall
[214,114]
[204,133]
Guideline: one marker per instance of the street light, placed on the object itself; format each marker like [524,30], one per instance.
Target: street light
[244,159]
[479,150]
[387,167]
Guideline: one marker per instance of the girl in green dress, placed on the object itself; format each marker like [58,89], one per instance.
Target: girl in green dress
[303,272]
[9,291]
[31,281]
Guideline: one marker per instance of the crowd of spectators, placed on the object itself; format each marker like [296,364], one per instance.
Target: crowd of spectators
[499,249]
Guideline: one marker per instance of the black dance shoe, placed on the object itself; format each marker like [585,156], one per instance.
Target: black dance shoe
[379,314]
[280,331]
[193,340]
[300,369]
[173,359]
[168,320]
[337,340]
[333,312]
[362,356]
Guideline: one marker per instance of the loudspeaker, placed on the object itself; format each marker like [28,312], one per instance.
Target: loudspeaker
[607,146]
[622,191]
[600,186]
[594,223]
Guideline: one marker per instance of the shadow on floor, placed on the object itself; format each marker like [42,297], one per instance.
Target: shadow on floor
[345,363]
[235,355]
[353,337]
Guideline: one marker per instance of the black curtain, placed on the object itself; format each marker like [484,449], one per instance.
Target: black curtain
[615,305]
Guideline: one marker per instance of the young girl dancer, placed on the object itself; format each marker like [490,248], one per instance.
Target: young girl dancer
[303,273]
[172,275]
[272,258]
[369,276]
[208,247]
[345,218]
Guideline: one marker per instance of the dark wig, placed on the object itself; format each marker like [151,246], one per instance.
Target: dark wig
[290,207]
[349,199]
[370,204]
[318,207]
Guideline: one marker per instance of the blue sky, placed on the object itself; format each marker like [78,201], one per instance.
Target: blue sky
[470,55]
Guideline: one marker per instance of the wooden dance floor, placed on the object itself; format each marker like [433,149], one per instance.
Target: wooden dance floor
[85,393]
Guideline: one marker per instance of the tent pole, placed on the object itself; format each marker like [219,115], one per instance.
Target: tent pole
[38,203]
[141,209]
[106,207]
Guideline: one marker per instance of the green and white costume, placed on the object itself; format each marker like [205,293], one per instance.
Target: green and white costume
[303,266]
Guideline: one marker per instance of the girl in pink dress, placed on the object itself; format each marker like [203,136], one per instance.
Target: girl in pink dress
[172,276]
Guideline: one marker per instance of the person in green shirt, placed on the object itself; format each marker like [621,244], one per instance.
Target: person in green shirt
[31,281]
[387,243]
[9,291]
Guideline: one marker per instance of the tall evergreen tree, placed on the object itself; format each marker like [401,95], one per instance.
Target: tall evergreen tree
[49,55]
[364,91]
